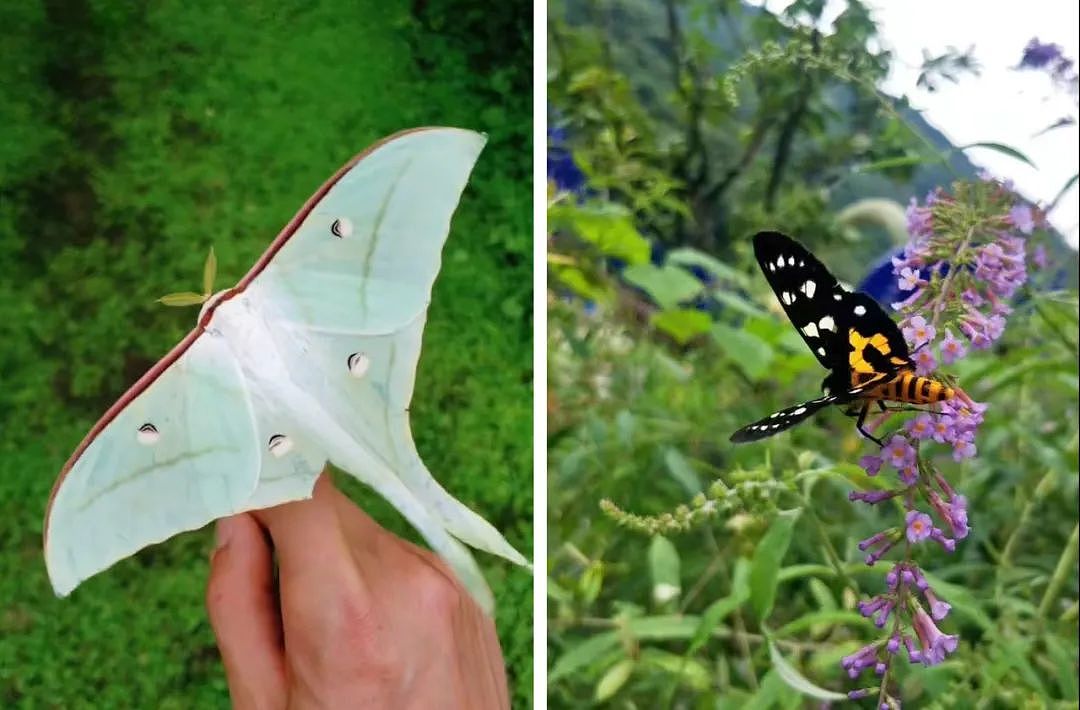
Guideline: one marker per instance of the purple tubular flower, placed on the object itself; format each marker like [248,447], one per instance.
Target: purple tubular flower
[951,349]
[925,362]
[918,331]
[1021,217]
[871,464]
[860,693]
[859,661]
[919,526]
[938,609]
[921,427]
[875,540]
[935,645]
[909,475]
[939,536]
[1038,55]
[909,279]
[877,554]
[893,645]
[872,497]
[898,452]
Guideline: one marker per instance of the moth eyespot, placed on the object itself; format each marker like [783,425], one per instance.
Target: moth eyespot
[810,330]
[808,288]
[860,310]
[358,364]
[341,227]
[280,445]
[148,434]
[787,298]
[827,323]
[797,412]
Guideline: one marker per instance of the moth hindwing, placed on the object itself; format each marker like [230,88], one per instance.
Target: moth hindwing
[848,332]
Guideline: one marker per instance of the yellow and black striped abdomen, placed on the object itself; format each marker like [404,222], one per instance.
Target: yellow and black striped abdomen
[910,388]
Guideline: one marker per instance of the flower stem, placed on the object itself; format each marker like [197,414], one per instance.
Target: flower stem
[1066,563]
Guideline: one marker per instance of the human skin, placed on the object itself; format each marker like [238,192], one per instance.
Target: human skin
[356,618]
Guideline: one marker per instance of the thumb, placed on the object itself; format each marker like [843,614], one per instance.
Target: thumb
[244,614]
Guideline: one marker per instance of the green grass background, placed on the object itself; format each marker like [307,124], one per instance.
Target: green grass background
[134,136]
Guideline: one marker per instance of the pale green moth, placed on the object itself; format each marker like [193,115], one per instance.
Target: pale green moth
[310,358]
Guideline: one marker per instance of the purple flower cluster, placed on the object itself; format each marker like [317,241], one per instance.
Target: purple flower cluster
[1050,58]
[960,277]
[964,278]
[905,602]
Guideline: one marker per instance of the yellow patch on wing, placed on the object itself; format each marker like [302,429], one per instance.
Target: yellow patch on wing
[859,343]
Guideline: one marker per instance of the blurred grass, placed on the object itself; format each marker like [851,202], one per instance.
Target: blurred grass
[135,136]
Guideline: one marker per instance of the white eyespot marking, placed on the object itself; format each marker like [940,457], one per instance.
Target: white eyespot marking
[147,435]
[860,310]
[797,412]
[280,445]
[827,323]
[808,288]
[791,261]
[341,227]
[358,364]
[780,262]
[810,330]
[837,297]
[821,352]
[787,298]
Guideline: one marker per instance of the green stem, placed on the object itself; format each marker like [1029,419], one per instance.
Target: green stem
[1045,485]
[1066,563]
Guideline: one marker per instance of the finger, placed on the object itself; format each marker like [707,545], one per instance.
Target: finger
[243,613]
[317,569]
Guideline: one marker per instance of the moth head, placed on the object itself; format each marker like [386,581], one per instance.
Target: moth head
[190,298]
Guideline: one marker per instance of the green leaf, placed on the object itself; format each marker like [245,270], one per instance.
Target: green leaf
[830,618]
[608,227]
[184,298]
[750,353]
[796,680]
[765,566]
[1000,148]
[613,679]
[209,272]
[668,286]
[664,568]
[681,471]
[900,161]
[715,613]
[682,324]
[592,581]
[582,654]
[688,256]
[689,671]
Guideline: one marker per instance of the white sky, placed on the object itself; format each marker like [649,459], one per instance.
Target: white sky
[1000,105]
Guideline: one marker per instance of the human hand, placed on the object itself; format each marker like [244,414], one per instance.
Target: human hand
[358,616]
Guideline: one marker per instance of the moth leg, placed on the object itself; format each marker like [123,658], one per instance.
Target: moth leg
[862,420]
[881,405]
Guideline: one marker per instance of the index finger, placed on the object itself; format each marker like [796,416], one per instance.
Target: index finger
[313,555]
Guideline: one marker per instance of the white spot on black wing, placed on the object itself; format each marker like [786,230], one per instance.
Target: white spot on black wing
[827,323]
[341,227]
[787,298]
[358,364]
[797,412]
[810,330]
[821,352]
[808,287]
[860,310]
[148,434]
[280,445]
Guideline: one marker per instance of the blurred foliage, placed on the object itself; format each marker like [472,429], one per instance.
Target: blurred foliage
[138,135]
[685,571]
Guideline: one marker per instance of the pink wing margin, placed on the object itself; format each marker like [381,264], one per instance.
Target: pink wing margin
[173,355]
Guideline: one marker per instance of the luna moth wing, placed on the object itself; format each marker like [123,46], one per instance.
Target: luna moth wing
[181,451]
[406,273]
[353,283]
